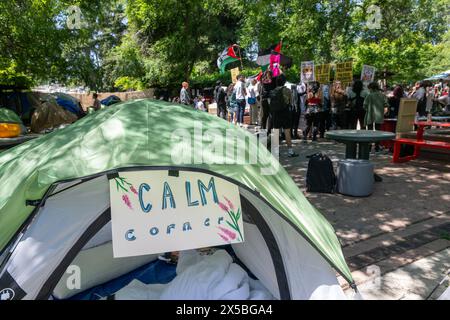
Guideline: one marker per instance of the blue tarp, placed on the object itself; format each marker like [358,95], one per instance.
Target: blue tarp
[110,100]
[69,105]
[156,272]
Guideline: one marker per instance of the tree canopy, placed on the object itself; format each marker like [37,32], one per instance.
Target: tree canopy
[134,44]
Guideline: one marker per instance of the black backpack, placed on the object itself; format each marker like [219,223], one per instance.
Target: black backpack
[320,176]
[276,100]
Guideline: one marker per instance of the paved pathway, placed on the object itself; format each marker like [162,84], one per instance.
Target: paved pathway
[402,231]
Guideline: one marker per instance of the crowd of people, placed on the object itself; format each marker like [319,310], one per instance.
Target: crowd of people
[432,98]
[307,110]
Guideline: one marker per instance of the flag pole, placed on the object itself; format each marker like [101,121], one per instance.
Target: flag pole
[240,57]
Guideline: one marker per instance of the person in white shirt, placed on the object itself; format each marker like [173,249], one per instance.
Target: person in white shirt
[430,100]
[241,93]
[200,105]
[251,99]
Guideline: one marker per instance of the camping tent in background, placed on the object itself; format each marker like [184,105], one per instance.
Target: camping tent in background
[22,103]
[109,101]
[69,103]
[289,246]
[10,124]
[49,115]
[9,116]
[42,111]
[444,76]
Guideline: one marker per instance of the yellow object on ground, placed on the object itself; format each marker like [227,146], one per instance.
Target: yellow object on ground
[9,130]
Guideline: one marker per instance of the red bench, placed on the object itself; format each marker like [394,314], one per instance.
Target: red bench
[417,146]
[419,142]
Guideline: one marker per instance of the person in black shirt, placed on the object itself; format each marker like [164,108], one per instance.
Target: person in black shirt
[220,97]
[280,108]
[267,85]
[394,101]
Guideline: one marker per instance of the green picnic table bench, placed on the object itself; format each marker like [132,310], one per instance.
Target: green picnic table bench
[358,142]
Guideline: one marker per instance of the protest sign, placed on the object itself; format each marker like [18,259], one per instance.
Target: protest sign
[152,212]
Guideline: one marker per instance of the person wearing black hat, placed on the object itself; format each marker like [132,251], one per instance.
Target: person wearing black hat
[220,98]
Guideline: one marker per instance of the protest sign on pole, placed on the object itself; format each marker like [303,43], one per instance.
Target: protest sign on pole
[234,73]
[307,71]
[322,73]
[367,73]
[344,72]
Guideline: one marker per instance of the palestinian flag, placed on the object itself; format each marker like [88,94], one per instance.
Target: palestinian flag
[227,56]
[264,55]
[256,77]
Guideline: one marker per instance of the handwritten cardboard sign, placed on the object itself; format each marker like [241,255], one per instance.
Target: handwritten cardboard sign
[307,71]
[344,72]
[234,73]
[322,72]
[153,212]
[367,73]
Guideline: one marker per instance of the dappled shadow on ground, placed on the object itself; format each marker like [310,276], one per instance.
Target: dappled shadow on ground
[415,281]
[410,192]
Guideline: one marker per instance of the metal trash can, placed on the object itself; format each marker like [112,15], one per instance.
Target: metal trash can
[355,177]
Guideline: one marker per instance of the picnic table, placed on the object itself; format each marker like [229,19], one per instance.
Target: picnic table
[420,142]
[358,140]
[421,125]
[436,119]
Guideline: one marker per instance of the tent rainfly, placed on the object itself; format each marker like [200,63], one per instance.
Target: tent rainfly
[55,205]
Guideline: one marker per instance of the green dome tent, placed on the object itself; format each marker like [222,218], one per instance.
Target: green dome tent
[53,188]
[9,116]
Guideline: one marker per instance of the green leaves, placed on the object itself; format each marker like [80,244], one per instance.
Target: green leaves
[235,221]
[131,44]
[175,36]
[121,183]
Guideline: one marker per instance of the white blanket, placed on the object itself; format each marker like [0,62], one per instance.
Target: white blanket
[213,277]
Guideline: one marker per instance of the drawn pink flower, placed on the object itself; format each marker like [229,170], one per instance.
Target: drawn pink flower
[230,234]
[223,237]
[133,190]
[127,201]
[223,207]
[230,204]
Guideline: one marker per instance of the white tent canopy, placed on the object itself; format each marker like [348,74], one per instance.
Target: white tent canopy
[444,75]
